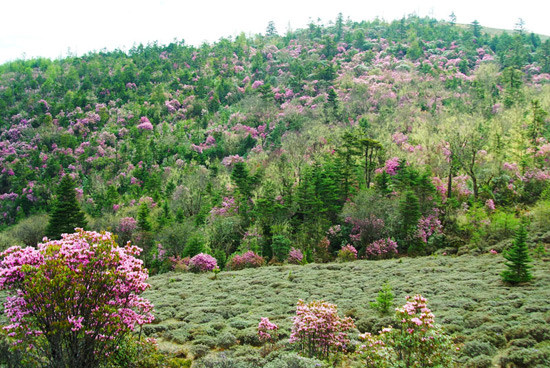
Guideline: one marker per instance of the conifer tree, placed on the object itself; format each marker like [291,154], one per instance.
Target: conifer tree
[66,214]
[518,259]
[144,224]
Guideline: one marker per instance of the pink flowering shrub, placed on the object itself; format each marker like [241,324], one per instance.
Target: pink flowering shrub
[295,256]
[267,331]
[246,260]
[145,124]
[416,341]
[381,249]
[428,226]
[73,300]
[347,253]
[318,330]
[203,262]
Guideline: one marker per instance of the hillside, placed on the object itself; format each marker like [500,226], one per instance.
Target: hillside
[369,140]
[490,320]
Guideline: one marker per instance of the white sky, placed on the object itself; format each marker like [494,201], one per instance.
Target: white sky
[49,28]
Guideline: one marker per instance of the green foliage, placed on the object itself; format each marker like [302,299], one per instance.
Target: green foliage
[281,247]
[518,259]
[194,246]
[384,300]
[144,223]
[66,214]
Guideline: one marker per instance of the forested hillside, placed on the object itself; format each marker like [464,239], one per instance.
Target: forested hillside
[404,137]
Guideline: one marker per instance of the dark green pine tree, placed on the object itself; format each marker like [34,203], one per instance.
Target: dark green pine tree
[518,259]
[66,214]
[144,224]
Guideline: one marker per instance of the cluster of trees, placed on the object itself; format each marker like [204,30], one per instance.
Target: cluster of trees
[418,131]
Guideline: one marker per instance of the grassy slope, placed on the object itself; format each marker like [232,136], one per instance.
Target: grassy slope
[464,292]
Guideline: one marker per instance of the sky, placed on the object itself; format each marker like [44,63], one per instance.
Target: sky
[55,28]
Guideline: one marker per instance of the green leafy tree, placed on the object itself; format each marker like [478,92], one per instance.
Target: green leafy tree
[67,214]
[518,259]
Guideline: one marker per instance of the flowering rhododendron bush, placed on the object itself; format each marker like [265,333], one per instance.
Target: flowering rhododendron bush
[72,301]
[416,341]
[318,330]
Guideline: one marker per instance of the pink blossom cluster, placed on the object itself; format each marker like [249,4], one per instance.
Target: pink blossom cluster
[347,253]
[381,248]
[145,124]
[490,204]
[127,225]
[90,282]
[228,207]
[231,160]
[246,260]
[390,166]
[266,328]
[428,226]
[203,262]
[208,143]
[415,315]
[318,330]
[295,256]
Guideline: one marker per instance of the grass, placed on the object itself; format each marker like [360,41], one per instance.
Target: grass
[495,323]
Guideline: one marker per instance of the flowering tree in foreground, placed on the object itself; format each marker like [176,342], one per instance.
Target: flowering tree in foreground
[318,330]
[72,301]
[416,341]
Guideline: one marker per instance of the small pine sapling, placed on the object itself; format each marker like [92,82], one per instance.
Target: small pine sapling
[384,300]
[518,259]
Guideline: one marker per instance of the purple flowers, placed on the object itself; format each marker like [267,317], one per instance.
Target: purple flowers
[145,124]
[382,248]
[295,256]
[203,262]
[247,260]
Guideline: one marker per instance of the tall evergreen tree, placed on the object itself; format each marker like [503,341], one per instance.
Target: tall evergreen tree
[66,214]
[144,224]
[518,259]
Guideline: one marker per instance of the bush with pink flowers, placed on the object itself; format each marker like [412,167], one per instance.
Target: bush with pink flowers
[318,331]
[72,301]
[381,249]
[347,253]
[246,260]
[203,262]
[295,256]
[416,341]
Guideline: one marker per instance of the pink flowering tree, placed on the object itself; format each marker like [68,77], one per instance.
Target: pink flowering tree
[318,330]
[415,341]
[72,301]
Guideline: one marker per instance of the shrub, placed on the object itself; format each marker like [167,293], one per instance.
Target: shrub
[203,262]
[73,300]
[383,248]
[318,330]
[180,264]
[347,253]
[31,230]
[247,260]
[267,331]
[415,342]
[295,256]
